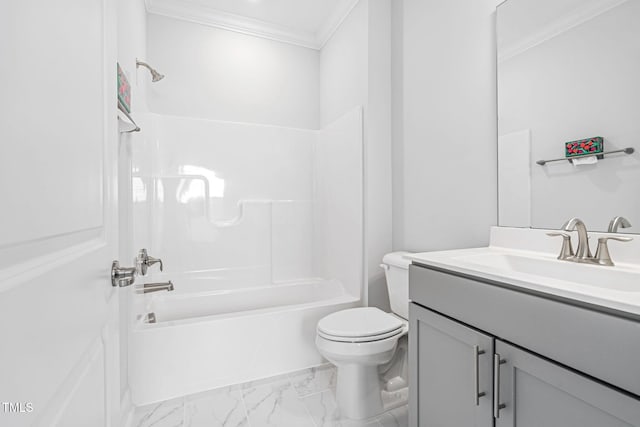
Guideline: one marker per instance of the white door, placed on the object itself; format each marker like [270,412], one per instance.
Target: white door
[58,230]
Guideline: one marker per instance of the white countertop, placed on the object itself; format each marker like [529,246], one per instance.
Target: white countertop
[507,260]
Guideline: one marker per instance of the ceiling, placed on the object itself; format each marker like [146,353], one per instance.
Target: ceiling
[309,23]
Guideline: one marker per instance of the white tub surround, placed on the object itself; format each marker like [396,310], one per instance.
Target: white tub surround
[260,229]
[250,203]
[526,259]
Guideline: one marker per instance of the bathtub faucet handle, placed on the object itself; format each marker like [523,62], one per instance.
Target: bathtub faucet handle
[145,261]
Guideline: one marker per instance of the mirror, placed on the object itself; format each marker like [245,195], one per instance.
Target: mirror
[568,70]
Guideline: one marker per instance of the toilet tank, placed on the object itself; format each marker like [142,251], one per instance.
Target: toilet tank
[396,269]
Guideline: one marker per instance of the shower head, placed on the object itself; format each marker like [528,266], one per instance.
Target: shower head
[155,76]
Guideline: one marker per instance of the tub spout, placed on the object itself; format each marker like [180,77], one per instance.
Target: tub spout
[155,287]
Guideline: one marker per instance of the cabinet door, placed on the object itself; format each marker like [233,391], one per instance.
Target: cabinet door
[537,393]
[450,372]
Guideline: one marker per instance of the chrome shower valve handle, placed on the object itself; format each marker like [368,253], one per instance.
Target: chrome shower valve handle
[144,261]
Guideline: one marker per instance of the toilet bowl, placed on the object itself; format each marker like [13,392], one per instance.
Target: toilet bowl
[359,341]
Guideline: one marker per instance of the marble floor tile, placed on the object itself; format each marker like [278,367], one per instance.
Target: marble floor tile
[166,414]
[398,417]
[324,411]
[314,380]
[276,405]
[323,408]
[300,399]
[219,408]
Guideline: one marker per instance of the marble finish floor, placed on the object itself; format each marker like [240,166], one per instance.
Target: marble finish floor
[300,399]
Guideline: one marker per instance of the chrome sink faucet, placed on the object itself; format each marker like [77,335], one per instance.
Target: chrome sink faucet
[582,250]
[618,221]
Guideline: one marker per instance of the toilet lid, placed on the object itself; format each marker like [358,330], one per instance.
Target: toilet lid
[371,338]
[363,322]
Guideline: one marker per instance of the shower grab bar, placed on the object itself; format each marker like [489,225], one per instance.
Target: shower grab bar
[128,116]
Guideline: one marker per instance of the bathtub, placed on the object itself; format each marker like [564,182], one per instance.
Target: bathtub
[202,340]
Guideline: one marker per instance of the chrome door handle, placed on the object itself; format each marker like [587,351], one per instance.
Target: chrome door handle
[497,406]
[122,276]
[477,394]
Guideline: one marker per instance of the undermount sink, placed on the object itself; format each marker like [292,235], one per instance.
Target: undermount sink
[612,278]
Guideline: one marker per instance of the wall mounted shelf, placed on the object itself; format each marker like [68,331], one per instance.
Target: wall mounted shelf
[628,150]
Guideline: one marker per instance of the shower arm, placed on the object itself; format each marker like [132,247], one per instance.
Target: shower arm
[155,75]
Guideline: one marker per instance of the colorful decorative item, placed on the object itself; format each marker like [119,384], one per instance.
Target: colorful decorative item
[124,91]
[584,147]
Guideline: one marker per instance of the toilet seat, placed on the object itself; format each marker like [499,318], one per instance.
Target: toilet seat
[361,339]
[358,325]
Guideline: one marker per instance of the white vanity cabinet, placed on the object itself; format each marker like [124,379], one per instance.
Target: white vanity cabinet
[485,355]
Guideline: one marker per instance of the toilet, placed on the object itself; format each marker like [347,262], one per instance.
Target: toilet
[363,343]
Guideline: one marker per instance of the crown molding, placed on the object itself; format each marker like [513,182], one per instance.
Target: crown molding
[328,29]
[557,27]
[201,14]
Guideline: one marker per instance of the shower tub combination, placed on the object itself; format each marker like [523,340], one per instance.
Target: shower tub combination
[252,276]
[206,340]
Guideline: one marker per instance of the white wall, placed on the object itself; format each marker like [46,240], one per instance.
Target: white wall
[355,71]
[224,75]
[445,136]
[379,202]
[397,128]
[343,66]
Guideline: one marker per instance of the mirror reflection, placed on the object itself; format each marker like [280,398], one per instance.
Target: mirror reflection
[568,70]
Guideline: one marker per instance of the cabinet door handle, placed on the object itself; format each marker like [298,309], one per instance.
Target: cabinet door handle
[477,394]
[497,361]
